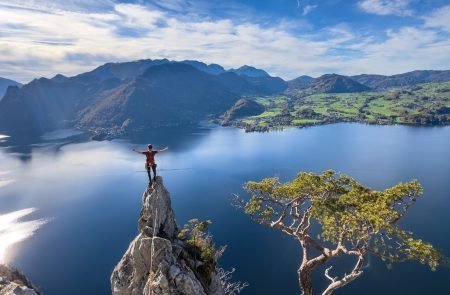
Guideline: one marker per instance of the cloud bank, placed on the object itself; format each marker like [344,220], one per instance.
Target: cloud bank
[38,38]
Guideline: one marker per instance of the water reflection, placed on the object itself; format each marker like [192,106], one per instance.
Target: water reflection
[178,138]
[13,230]
[61,134]
[3,138]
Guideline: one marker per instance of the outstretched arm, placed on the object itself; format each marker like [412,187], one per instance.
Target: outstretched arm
[164,149]
[139,152]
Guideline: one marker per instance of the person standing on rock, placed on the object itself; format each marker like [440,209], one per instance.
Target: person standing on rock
[150,161]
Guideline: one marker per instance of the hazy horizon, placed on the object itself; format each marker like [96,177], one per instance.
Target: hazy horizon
[95,67]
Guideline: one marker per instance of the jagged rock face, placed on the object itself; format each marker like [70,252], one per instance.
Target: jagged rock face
[15,289]
[157,212]
[13,282]
[156,262]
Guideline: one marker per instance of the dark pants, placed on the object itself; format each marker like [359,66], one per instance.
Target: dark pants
[153,166]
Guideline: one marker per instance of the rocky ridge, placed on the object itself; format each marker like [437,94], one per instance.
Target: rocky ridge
[156,261]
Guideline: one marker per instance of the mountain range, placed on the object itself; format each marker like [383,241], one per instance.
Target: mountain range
[333,83]
[118,98]
[380,82]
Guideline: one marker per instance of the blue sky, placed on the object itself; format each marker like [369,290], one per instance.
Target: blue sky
[288,38]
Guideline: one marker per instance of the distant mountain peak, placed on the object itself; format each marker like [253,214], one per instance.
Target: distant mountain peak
[213,69]
[121,70]
[5,83]
[304,78]
[301,82]
[250,71]
[172,68]
[328,83]
[334,83]
[59,78]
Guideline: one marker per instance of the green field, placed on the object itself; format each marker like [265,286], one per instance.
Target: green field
[304,121]
[425,104]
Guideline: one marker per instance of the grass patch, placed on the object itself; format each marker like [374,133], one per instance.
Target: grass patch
[268,114]
[305,121]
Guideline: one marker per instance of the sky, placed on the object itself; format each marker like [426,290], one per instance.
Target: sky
[287,38]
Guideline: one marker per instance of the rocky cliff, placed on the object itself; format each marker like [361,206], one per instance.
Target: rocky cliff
[12,282]
[157,262]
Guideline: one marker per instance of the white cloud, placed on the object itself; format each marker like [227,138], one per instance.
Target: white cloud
[73,5]
[440,18]
[135,16]
[406,49]
[309,8]
[38,40]
[386,7]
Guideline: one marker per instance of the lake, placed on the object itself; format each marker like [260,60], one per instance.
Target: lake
[69,206]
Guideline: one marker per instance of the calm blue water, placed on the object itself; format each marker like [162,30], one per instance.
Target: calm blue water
[89,194]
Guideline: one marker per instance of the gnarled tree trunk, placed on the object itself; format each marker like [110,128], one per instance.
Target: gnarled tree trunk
[305,279]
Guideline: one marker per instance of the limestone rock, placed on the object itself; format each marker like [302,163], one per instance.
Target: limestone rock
[157,211]
[13,282]
[156,262]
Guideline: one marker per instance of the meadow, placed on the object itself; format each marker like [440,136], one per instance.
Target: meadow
[425,104]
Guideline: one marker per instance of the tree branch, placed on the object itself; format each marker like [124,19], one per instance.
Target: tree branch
[356,272]
[328,276]
[279,226]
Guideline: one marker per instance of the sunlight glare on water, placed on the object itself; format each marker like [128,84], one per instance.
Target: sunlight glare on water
[12,230]
[5,179]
